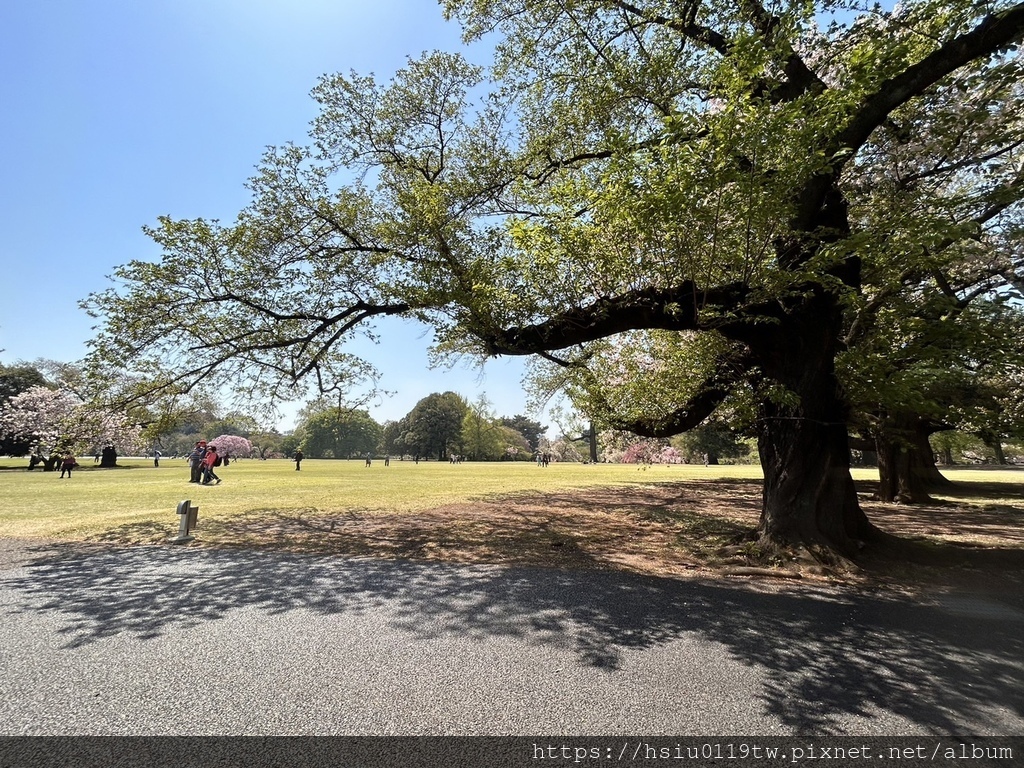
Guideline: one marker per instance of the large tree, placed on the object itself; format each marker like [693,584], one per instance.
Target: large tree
[530,429]
[15,379]
[435,425]
[57,422]
[266,443]
[393,441]
[941,363]
[233,423]
[710,442]
[485,437]
[936,319]
[338,433]
[642,169]
[232,446]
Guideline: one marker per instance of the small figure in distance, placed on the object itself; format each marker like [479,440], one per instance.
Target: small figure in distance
[387,459]
[67,465]
[369,459]
[156,458]
[298,460]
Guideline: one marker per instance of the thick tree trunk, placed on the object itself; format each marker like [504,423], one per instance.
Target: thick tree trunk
[898,482]
[809,497]
[997,449]
[108,457]
[906,463]
[923,462]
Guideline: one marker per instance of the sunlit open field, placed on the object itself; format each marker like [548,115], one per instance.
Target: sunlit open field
[679,520]
[94,500]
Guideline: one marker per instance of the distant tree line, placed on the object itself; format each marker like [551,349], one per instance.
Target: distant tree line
[439,426]
[44,411]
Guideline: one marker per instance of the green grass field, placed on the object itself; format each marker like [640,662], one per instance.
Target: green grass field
[40,504]
[94,501]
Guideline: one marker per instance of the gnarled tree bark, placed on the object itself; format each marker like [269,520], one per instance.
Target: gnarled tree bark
[809,498]
[906,464]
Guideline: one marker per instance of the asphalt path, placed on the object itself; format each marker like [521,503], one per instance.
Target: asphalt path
[179,640]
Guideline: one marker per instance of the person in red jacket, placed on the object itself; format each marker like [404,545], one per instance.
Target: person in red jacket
[210,460]
[67,465]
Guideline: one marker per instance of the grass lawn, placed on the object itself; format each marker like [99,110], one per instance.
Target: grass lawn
[668,520]
[94,501]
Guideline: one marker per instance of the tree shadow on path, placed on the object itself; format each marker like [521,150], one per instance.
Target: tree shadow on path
[825,655]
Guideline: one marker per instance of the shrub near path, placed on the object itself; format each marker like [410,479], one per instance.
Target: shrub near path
[666,520]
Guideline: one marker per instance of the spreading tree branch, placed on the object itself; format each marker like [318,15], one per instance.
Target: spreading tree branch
[671,309]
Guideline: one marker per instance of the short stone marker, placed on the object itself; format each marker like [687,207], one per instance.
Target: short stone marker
[188,520]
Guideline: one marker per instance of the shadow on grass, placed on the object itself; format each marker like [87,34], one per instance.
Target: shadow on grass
[824,655]
[958,489]
[970,523]
[973,489]
[78,468]
[659,529]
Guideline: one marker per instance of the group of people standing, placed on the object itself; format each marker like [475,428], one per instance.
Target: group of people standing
[201,462]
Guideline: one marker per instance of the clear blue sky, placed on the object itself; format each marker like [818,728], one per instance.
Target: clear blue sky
[114,112]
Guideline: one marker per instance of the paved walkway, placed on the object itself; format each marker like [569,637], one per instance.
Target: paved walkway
[166,640]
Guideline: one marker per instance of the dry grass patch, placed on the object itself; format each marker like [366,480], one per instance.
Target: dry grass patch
[670,529]
[659,529]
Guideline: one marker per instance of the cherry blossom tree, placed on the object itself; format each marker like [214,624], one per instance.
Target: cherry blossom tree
[642,451]
[233,446]
[57,422]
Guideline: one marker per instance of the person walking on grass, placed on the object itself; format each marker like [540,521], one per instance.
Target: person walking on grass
[298,460]
[210,460]
[67,464]
[195,462]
